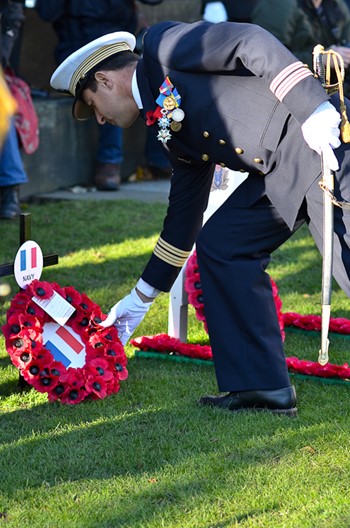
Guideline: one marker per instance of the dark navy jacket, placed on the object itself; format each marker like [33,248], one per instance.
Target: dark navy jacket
[244,108]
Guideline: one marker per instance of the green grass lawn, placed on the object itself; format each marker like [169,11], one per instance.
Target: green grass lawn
[149,456]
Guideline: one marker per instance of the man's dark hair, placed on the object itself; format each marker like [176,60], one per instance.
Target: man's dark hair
[115,62]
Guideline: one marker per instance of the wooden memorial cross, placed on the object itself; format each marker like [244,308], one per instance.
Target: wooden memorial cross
[7,270]
[25,228]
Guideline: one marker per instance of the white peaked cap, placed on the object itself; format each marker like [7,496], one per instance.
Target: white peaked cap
[76,66]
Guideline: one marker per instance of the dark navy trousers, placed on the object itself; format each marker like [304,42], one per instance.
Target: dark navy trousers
[234,249]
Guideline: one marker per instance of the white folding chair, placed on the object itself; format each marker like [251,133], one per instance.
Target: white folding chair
[225,182]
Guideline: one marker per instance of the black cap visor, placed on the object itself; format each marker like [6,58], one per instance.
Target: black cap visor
[81,111]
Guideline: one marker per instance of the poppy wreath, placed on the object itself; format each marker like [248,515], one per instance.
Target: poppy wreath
[163,343]
[105,359]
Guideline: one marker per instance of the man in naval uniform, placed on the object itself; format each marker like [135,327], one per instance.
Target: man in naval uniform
[227,94]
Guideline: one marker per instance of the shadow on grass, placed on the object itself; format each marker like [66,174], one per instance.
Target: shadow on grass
[149,424]
[150,451]
[5,362]
[63,227]
[9,388]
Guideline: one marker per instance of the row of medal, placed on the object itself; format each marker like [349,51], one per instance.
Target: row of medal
[169,101]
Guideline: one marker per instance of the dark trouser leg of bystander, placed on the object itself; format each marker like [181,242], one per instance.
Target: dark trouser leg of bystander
[9,202]
[109,158]
[12,175]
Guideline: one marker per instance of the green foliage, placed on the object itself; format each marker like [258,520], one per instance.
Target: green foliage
[150,457]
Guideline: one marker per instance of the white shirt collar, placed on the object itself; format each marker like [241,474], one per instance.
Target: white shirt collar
[136,91]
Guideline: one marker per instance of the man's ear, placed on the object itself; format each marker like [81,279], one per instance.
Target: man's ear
[103,78]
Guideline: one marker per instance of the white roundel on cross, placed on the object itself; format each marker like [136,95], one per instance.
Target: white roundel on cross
[28,263]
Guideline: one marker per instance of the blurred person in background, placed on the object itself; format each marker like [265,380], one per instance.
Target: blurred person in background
[12,173]
[330,21]
[228,10]
[302,24]
[77,22]
[289,24]
[7,108]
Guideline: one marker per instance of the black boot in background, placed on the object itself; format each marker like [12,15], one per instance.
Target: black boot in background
[9,202]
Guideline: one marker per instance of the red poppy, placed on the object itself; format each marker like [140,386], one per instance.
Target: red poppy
[152,116]
[98,368]
[71,295]
[43,290]
[76,392]
[121,371]
[17,345]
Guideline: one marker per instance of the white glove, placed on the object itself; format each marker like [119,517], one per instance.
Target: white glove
[215,12]
[321,132]
[127,314]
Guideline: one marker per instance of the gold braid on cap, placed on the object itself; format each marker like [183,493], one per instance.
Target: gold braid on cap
[93,60]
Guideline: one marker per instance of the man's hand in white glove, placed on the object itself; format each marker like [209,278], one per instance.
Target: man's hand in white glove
[321,132]
[127,314]
[215,12]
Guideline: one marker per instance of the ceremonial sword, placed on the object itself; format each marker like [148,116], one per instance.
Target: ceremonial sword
[328,229]
[327,185]
[327,263]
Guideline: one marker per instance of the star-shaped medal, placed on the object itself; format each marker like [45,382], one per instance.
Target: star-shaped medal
[164,135]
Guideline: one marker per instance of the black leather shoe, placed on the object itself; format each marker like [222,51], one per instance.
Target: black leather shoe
[279,401]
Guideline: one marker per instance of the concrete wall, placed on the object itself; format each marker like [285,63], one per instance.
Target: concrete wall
[66,148]
[66,154]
